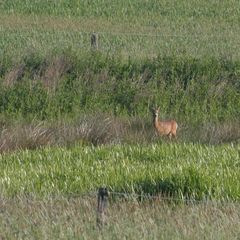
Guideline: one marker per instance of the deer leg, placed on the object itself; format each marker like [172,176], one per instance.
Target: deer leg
[170,135]
[175,136]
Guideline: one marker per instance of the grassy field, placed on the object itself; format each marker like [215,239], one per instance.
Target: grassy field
[73,119]
[63,218]
[169,54]
[191,90]
[179,170]
[136,28]
[42,192]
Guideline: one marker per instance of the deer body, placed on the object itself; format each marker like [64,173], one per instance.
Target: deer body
[164,128]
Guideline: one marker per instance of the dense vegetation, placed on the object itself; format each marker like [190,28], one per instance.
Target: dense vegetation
[178,170]
[150,53]
[192,90]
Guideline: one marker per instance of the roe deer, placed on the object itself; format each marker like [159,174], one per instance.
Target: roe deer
[164,128]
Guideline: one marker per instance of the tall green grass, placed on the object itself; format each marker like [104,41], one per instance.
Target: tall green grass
[189,89]
[177,170]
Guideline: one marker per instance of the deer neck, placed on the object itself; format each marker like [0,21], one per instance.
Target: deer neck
[156,122]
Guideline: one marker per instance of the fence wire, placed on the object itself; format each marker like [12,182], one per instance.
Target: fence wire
[137,196]
[115,196]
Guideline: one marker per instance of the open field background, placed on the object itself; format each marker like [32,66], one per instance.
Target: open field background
[73,119]
[208,28]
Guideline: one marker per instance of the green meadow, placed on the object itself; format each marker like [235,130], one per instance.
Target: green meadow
[73,118]
[194,171]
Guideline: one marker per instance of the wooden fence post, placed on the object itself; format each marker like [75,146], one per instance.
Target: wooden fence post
[101,206]
[94,41]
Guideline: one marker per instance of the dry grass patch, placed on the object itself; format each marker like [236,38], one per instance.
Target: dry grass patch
[75,218]
[100,129]
[57,67]
[25,137]
[14,75]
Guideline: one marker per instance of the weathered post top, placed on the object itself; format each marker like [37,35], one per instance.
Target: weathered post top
[94,41]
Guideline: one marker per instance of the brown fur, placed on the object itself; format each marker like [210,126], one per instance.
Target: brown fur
[164,128]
